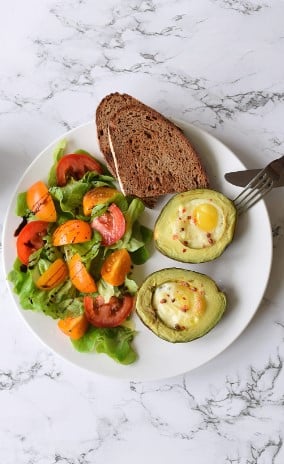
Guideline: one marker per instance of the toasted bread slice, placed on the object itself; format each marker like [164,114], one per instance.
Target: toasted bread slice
[108,107]
[152,156]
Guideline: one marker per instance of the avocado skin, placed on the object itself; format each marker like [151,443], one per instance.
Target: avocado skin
[215,304]
[173,248]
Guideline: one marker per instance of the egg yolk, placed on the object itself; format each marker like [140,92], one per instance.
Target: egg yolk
[206,217]
[186,299]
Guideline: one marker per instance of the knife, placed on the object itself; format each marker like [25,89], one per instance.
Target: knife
[242,178]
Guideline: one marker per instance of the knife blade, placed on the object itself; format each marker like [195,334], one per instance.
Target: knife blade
[242,178]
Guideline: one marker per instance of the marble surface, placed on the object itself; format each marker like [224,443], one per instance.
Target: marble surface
[217,64]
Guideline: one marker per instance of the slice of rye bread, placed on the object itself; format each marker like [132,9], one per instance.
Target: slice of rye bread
[108,107]
[152,155]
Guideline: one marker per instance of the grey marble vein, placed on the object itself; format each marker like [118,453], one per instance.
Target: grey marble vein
[239,399]
[42,367]
[245,7]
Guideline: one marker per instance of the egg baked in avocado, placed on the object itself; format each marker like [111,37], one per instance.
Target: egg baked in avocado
[195,226]
[179,305]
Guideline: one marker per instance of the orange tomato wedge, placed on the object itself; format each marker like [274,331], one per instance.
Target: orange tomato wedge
[116,267]
[97,196]
[72,231]
[53,276]
[74,327]
[79,276]
[40,202]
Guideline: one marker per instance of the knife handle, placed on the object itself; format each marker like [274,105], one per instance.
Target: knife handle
[277,166]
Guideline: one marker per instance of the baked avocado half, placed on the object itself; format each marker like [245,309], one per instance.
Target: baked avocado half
[195,226]
[179,305]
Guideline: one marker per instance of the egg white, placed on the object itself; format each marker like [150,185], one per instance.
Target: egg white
[187,231]
[168,301]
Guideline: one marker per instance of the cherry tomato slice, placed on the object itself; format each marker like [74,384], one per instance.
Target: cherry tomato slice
[111,314]
[40,202]
[111,225]
[97,196]
[75,165]
[53,276]
[74,327]
[72,231]
[30,239]
[116,267]
[79,276]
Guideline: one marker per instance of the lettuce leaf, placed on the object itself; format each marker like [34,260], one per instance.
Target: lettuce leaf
[21,205]
[59,302]
[87,250]
[48,252]
[135,210]
[115,342]
[107,290]
[141,254]
[58,152]
[130,285]
[70,196]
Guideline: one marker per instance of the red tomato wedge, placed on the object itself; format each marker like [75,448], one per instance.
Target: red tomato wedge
[30,239]
[72,231]
[111,314]
[75,165]
[111,225]
[40,202]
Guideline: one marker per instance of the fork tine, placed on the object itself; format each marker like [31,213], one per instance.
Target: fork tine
[253,199]
[256,182]
[253,192]
[253,185]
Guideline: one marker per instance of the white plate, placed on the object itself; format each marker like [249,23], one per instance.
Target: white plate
[242,271]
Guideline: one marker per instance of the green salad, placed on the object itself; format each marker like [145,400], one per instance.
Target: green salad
[76,246]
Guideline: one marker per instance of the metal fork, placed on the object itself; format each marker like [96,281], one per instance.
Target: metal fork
[259,186]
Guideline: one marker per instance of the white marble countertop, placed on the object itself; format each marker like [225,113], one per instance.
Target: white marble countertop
[219,65]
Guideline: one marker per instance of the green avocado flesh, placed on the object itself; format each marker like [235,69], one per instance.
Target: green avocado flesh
[179,305]
[195,226]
